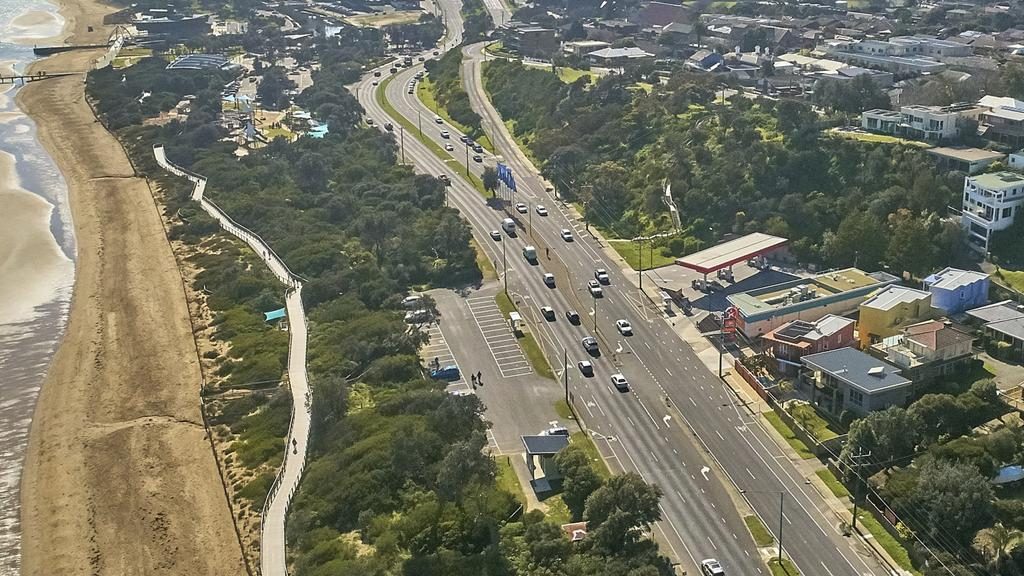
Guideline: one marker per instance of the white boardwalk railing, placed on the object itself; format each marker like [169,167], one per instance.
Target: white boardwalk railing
[273,561]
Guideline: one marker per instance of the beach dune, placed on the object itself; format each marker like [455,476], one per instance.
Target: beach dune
[119,478]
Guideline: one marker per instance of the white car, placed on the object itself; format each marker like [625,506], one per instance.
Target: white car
[444,134]
[541,210]
[624,327]
[438,120]
[586,368]
[376,83]
[549,280]
[556,431]
[595,288]
[601,275]
[521,208]
[548,312]
[620,382]
[495,235]
[448,146]
[711,567]
[566,234]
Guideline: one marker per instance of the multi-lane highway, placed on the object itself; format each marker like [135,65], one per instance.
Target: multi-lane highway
[678,425]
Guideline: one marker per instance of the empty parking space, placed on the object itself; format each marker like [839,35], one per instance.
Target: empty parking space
[437,349]
[500,341]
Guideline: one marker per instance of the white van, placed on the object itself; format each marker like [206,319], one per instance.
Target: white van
[509,226]
[515,322]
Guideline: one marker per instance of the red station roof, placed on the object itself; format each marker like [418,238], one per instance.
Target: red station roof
[731,252]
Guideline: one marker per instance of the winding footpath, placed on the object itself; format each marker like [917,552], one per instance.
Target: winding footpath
[273,559]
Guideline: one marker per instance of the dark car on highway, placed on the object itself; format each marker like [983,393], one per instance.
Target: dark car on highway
[572,317]
[590,345]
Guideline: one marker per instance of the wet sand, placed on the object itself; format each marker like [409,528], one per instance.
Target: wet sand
[119,478]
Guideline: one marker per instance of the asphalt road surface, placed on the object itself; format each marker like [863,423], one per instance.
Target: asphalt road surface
[678,425]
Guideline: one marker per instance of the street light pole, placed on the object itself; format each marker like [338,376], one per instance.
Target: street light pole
[565,373]
[467,159]
[504,265]
[419,122]
[595,312]
[403,143]
[782,499]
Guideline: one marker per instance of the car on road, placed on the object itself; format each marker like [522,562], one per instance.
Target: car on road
[478,158]
[422,58]
[438,120]
[464,139]
[572,316]
[624,327]
[436,53]
[445,179]
[410,91]
[620,382]
[549,280]
[601,275]
[521,208]
[389,126]
[376,83]
[393,70]
[376,74]
[369,121]
[711,567]
[566,234]
[448,146]
[541,210]
[495,235]
[586,368]
[548,312]
[478,148]
[590,345]
[595,288]
[444,134]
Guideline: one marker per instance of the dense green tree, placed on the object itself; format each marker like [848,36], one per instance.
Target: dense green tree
[860,239]
[888,435]
[580,479]
[953,499]
[619,509]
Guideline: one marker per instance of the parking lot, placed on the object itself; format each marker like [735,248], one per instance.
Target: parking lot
[504,348]
[438,348]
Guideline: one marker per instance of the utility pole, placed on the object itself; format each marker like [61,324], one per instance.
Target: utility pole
[419,122]
[565,374]
[782,500]
[504,265]
[595,312]
[721,352]
[467,159]
[640,261]
[529,218]
[402,128]
[856,489]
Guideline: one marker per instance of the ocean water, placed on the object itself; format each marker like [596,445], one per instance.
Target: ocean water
[36,262]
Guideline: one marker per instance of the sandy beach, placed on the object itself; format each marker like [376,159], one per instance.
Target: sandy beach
[119,477]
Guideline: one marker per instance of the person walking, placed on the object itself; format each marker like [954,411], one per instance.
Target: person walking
[479,378]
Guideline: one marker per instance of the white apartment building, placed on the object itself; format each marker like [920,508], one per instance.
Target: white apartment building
[922,122]
[991,202]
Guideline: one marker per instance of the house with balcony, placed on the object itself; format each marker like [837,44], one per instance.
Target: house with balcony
[886,312]
[850,380]
[990,203]
[926,350]
[935,123]
[794,340]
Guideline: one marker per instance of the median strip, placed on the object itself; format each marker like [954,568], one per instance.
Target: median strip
[413,130]
[528,343]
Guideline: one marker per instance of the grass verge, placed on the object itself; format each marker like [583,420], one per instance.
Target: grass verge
[794,442]
[557,512]
[483,262]
[584,441]
[783,568]
[413,131]
[833,483]
[563,410]
[507,479]
[528,343]
[891,545]
[425,92]
[570,75]
[762,537]
[879,138]
[631,254]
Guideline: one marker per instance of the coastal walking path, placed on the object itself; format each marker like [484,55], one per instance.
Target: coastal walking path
[273,560]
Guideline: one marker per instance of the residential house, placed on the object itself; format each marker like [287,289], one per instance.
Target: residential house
[531,41]
[661,14]
[936,123]
[880,55]
[620,57]
[886,313]
[1002,322]
[705,60]
[581,48]
[990,203]
[791,341]
[1003,121]
[850,380]
[954,291]
[926,350]
[964,159]
[847,73]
